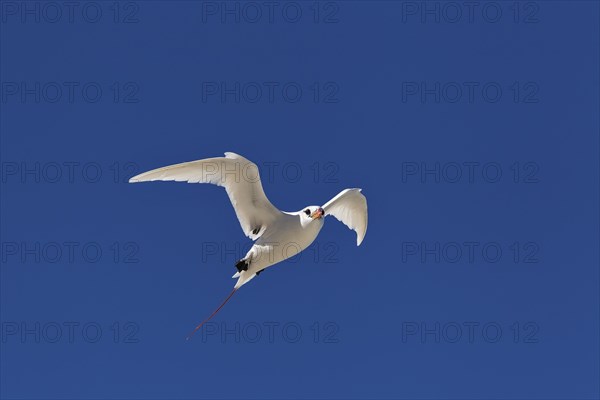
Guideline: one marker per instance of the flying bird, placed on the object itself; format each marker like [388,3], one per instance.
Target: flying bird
[278,235]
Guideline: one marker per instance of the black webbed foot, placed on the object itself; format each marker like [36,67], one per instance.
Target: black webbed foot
[258,273]
[242,265]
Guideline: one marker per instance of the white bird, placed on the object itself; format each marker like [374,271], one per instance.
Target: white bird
[278,235]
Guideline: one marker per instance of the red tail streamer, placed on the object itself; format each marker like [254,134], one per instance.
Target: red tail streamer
[212,315]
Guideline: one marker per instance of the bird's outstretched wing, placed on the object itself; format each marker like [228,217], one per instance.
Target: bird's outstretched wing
[350,207]
[240,178]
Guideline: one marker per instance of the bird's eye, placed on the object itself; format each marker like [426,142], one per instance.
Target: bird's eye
[307,211]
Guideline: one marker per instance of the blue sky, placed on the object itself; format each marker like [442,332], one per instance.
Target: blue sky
[472,131]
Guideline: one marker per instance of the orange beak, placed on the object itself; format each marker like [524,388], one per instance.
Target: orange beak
[318,213]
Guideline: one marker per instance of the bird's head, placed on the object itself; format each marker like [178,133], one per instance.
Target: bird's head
[312,212]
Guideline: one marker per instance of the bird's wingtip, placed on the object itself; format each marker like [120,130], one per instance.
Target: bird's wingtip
[138,178]
[231,154]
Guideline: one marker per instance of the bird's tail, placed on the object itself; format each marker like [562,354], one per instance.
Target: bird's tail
[212,315]
[243,277]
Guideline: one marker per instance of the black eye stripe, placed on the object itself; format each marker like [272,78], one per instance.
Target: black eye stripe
[307,211]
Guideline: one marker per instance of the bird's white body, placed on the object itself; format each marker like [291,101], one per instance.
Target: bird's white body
[279,235]
[286,238]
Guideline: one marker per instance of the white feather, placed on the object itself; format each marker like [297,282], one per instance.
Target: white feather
[237,175]
[350,207]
